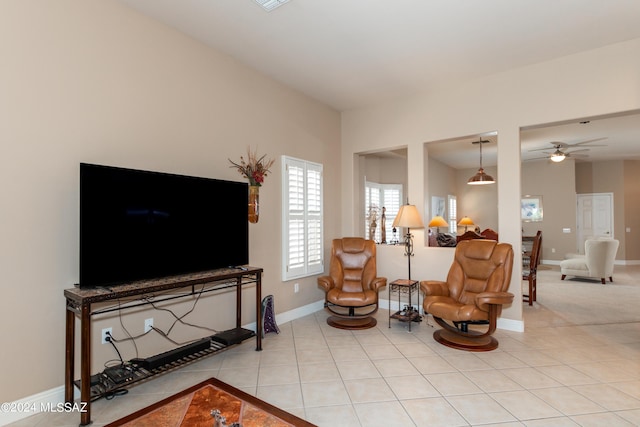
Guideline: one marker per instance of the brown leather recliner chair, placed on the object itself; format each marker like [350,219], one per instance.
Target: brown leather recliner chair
[474,292]
[351,289]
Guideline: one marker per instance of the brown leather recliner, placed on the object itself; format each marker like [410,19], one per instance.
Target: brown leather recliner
[474,292]
[351,289]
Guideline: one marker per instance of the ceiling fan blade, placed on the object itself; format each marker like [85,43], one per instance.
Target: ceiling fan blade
[588,141]
[559,145]
[542,149]
[575,151]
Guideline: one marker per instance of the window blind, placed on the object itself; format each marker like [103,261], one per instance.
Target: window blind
[302,218]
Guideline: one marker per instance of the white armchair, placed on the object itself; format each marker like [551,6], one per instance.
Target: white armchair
[597,261]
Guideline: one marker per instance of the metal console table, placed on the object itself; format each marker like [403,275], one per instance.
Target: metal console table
[405,286]
[79,303]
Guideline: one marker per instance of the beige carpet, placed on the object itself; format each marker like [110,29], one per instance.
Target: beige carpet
[577,301]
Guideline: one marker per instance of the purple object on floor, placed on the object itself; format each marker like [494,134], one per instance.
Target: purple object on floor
[268,316]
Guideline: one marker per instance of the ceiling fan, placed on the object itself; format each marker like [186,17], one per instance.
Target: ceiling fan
[561,151]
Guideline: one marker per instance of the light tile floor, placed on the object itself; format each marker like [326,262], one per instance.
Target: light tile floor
[571,375]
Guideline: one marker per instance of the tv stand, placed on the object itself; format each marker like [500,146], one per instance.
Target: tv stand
[79,303]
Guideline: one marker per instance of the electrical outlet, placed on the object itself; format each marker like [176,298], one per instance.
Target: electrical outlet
[148,325]
[296,287]
[104,334]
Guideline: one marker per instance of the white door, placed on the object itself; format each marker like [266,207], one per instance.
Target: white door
[595,217]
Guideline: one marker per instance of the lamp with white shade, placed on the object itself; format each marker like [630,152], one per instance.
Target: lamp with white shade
[408,217]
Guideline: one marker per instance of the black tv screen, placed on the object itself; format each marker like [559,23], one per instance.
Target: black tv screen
[137,225]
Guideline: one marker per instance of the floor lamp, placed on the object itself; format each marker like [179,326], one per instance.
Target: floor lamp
[408,217]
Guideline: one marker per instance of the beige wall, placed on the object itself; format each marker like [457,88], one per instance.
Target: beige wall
[386,170]
[94,81]
[631,209]
[541,93]
[555,182]
[441,181]
[478,202]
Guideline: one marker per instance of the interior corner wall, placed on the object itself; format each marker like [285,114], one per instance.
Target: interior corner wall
[95,81]
[441,182]
[631,208]
[555,182]
[478,202]
[584,178]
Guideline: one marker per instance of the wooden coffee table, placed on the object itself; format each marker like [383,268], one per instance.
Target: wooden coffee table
[192,408]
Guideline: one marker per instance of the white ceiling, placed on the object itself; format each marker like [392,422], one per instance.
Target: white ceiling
[353,53]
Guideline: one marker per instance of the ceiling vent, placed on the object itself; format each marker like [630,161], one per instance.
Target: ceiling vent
[269,5]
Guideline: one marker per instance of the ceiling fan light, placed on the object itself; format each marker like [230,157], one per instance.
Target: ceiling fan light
[558,157]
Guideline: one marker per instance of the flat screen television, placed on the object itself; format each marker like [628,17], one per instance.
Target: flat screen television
[137,225]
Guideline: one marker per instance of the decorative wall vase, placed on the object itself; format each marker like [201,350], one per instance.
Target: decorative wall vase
[254,203]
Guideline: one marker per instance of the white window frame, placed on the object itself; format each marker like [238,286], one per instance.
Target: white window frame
[306,210]
[452,207]
[384,192]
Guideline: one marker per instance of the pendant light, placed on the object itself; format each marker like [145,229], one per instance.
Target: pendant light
[481,178]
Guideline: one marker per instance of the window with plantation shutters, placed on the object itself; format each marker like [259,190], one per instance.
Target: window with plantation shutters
[302,248]
[453,214]
[378,196]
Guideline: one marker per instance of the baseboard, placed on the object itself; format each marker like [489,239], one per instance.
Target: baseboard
[628,262]
[31,405]
[299,312]
[392,305]
[617,262]
[510,324]
[294,314]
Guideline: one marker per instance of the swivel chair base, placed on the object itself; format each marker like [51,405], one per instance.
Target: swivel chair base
[355,323]
[469,343]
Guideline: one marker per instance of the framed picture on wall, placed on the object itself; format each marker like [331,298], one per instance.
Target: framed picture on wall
[531,209]
[437,206]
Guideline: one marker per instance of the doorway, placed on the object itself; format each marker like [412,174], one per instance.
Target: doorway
[594,217]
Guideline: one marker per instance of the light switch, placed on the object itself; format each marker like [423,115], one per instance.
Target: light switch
[566,230]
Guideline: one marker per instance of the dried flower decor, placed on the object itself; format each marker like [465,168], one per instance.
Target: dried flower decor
[254,168]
